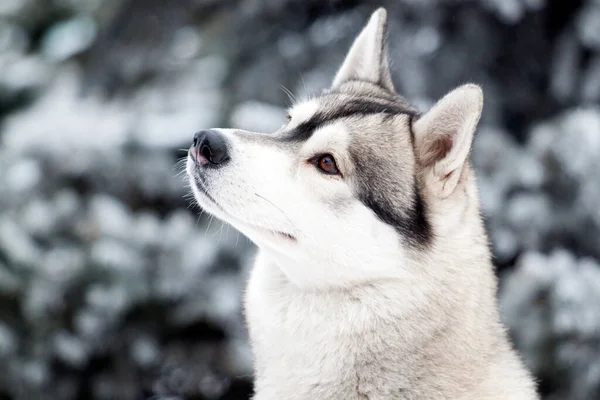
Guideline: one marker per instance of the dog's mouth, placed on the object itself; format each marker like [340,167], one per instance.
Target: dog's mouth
[201,186]
[284,235]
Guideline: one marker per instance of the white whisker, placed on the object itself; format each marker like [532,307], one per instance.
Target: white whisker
[279,209]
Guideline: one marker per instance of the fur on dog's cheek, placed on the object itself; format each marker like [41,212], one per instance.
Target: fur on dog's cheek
[340,204]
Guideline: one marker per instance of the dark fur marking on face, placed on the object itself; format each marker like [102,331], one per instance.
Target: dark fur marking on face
[412,225]
[410,222]
[353,107]
[421,229]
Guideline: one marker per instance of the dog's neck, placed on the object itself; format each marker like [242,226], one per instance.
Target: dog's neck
[377,336]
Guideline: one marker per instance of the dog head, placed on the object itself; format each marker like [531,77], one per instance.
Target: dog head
[355,185]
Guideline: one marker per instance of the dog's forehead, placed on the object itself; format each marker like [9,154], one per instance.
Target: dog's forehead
[308,109]
[383,144]
[367,115]
[304,110]
[359,94]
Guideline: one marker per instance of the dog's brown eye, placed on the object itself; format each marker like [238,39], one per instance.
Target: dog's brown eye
[327,164]
[288,117]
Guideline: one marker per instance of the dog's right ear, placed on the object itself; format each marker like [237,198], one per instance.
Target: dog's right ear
[367,59]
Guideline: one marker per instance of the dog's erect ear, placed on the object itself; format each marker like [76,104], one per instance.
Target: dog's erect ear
[367,59]
[444,134]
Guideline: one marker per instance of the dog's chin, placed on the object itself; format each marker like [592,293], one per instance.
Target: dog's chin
[256,233]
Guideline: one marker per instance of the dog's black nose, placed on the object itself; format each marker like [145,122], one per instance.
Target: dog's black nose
[212,146]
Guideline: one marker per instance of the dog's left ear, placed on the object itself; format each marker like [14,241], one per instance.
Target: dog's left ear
[367,59]
[444,134]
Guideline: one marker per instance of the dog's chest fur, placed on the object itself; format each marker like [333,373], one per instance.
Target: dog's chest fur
[372,344]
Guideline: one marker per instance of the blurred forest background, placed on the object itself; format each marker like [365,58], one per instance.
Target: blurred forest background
[113,287]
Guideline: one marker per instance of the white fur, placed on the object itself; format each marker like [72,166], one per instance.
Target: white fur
[301,112]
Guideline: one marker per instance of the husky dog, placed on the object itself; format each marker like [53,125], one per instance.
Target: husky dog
[373,280]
